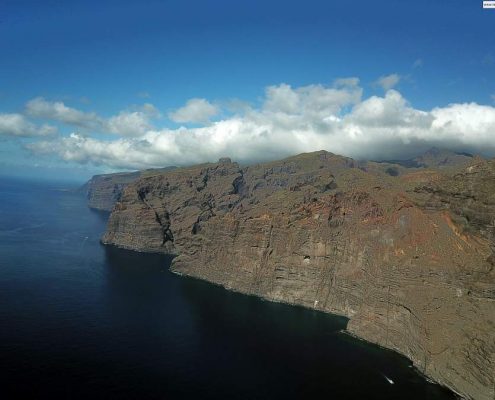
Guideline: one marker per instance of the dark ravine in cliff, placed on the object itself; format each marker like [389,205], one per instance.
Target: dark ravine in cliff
[405,253]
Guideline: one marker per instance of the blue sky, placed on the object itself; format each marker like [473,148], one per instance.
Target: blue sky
[106,57]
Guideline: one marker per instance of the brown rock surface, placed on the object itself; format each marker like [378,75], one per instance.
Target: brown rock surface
[406,257]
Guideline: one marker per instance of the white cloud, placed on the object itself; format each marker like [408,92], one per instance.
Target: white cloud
[468,122]
[195,111]
[18,125]
[387,82]
[128,123]
[41,108]
[82,149]
[133,122]
[392,110]
[290,121]
[315,100]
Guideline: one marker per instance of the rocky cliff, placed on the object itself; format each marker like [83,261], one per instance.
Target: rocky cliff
[103,191]
[407,256]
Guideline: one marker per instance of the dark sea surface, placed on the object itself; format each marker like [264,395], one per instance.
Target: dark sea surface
[81,320]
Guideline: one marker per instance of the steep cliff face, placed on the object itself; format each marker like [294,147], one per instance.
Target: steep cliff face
[404,256]
[469,195]
[103,191]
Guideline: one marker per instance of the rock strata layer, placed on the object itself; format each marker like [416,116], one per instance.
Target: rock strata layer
[406,256]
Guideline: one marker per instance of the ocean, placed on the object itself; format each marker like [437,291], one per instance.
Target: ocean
[82,320]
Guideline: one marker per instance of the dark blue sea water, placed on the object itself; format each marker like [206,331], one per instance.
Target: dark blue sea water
[81,320]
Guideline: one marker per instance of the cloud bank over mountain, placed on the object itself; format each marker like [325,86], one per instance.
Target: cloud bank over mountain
[289,120]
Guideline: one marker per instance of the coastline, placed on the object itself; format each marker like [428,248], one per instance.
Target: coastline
[380,250]
[345,331]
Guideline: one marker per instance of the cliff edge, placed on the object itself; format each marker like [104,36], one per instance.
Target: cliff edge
[407,254]
[103,191]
